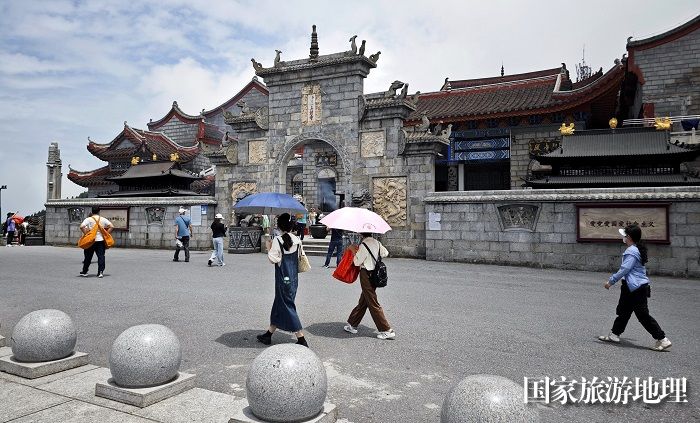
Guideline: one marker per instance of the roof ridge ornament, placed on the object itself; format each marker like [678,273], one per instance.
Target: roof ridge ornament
[353,45]
[257,66]
[313,51]
[565,129]
[361,52]
[373,58]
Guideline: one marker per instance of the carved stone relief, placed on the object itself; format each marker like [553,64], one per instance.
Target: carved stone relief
[262,117]
[155,215]
[239,190]
[372,143]
[76,214]
[257,151]
[452,178]
[232,153]
[389,199]
[311,105]
[518,216]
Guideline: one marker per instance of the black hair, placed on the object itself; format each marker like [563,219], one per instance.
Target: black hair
[285,225]
[366,234]
[635,234]
[95,210]
[9,214]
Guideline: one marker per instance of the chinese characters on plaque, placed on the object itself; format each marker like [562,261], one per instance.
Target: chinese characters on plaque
[600,222]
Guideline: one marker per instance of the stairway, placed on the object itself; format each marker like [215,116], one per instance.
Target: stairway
[316,247]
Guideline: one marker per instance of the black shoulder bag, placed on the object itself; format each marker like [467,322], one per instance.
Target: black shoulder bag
[377,277]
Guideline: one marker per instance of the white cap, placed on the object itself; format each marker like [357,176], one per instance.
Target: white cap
[218,216]
[182,210]
[622,232]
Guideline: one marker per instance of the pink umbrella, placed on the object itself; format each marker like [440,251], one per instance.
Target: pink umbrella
[356,219]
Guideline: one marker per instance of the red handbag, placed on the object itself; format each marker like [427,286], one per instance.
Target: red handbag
[347,271]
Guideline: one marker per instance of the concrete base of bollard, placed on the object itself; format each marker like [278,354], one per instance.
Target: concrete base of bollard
[329,414]
[34,370]
[143,397]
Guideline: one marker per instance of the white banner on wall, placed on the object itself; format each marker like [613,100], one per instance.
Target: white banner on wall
[196,215]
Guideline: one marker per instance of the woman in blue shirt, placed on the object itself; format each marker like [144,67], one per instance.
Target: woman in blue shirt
[634,291]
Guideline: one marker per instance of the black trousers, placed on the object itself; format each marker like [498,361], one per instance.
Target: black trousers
[97,248]
[635,302]
[185,246]
[10,237]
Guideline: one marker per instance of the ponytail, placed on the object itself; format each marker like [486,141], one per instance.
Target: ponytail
[643,252]
[287,241]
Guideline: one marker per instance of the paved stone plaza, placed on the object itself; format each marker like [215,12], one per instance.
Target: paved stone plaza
[452,320]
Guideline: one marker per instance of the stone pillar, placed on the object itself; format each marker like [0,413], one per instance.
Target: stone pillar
[53,173]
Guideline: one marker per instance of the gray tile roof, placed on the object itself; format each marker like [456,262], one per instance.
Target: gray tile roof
[613,181]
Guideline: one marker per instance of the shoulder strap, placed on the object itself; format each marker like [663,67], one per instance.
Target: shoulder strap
[97,221]
[370,252]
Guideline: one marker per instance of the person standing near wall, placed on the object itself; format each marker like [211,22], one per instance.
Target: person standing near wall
[182,234]
[301,224]
[634,291]
[218,230]
[98,247]
[10,225]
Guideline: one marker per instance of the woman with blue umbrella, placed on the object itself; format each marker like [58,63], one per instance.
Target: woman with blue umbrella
[284,254]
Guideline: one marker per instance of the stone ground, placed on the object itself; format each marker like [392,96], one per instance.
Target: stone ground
[452,320]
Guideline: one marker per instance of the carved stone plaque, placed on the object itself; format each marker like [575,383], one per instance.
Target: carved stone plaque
[518,216]
[311,105]
[232,153]
[372,143]
[155,215]
[262,117]
[389,199]
[241,189]
[257,151]
[76,214]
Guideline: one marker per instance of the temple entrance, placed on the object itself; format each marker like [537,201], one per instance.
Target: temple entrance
[327,199]
[314,171]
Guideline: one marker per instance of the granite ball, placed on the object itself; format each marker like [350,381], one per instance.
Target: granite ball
[487,399]
[286,383]
[145,355]
[43,335]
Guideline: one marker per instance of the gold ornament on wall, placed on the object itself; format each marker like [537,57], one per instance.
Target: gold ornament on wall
[613,123]
[135,160]
[174,157]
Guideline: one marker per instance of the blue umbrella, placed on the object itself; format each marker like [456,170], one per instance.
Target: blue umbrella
[269,203]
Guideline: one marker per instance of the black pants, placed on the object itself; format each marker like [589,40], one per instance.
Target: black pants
[10,237]
[301,228]
[635,302]
[185,246]
[99,248]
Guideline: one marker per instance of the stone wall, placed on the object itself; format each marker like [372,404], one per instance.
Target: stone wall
[672,74]
[471,230]
[182,133]
[143,232]
[520,160]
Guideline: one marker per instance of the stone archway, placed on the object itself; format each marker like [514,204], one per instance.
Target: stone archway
[319,153]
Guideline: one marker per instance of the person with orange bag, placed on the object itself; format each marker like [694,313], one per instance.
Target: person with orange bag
[99,245]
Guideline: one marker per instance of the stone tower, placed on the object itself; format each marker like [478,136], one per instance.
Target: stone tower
[53,173]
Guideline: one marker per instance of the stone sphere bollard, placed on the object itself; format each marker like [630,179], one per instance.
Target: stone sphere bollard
[286,383]
[145,355]
[488,399]
[43,335]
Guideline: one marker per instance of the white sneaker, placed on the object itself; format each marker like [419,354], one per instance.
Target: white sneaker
[348,328]
[662,344]
[610,338]
[222,264]
[390,334]
[100,275]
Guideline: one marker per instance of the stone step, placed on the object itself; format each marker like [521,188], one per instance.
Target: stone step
[316,247]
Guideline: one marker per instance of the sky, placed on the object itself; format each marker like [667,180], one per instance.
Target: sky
[75,69]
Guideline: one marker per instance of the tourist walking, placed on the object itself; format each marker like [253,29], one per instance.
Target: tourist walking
[366,255]
[312,216]
[218,232]
[634,291]
[335,245]
[182,234]
[283,252]
[10,226]
[98,247]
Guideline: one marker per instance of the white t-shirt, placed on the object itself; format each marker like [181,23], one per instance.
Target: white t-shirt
[363,259]
[275,253]
[90,222]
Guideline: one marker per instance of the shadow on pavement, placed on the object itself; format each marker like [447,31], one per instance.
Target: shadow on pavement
[335,330]
[241,339]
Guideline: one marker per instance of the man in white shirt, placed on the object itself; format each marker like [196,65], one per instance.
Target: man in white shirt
[99,245]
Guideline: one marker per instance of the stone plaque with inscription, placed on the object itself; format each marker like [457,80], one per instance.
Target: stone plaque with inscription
[311,105]
[257,151]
